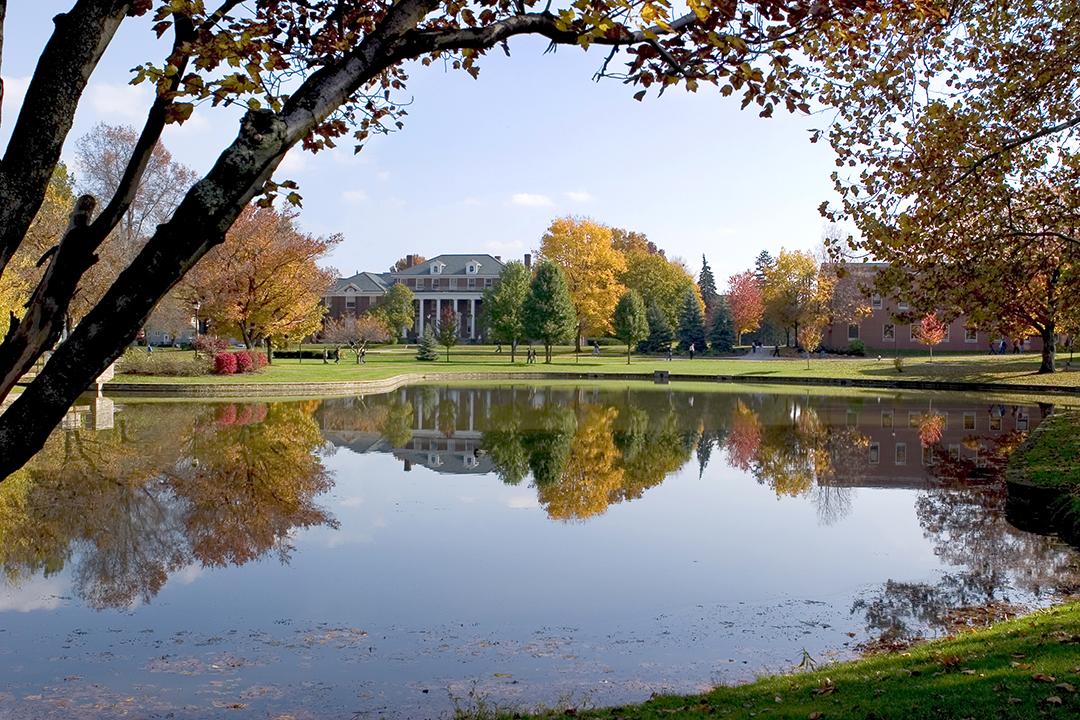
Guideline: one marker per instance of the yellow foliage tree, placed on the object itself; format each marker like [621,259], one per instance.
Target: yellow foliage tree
[593,474]
[660,281]
[798,292]
[583,249]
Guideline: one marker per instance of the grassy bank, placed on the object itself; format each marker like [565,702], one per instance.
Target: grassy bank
[1019,370]
[1044,477]
[1023,668]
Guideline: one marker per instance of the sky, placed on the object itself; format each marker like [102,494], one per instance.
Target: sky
[485,165]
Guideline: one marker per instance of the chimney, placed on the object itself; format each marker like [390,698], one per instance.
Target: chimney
[499,258]
[409,261]
[528,260]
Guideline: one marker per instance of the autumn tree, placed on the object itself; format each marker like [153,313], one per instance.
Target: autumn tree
[632,241]
[746,303]
[797,291]
[659,281]
[549,311]
[660,334]
[448,331]
[630,323]
[930,331]
[404,263]
[959,165]
[355,332]
[307,74]
[691,323]
[395,310]
[592,267]
[264,282]
[504,306]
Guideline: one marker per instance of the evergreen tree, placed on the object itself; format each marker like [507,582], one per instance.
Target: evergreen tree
[691,324]
[763,262]
[504,306]
[722,335]
[549,313]
[429,346]
[660,334]
[707,286]
[630,322]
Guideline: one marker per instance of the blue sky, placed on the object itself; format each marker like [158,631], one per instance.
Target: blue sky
[484,165]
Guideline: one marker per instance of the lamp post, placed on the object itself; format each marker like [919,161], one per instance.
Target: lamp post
[196,305]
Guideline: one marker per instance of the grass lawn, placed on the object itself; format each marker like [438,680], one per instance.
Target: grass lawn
[1053,460]
[1020,669]
[1017,370]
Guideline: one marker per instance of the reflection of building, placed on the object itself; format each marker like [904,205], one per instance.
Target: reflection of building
[446,283]
[957,434]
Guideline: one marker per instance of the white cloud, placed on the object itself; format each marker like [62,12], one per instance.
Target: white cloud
[119,101]
[580,196]
[37,593]
[531,200]
[354,197]
[472,202]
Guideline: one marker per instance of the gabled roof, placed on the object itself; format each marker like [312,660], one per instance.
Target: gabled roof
[455,265]
[366,283]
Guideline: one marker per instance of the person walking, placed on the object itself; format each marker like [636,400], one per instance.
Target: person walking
[776,351]
[669,352]
[595,348]
[363,356]
[691,349]
[498,348]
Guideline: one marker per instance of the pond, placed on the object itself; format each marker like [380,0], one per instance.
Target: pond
[402,554]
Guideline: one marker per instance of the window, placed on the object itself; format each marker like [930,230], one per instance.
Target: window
[954,451]
[928,455]
[901,454]
[487,282]
[350,302]
[995,422]
[969,421]
[434,283]
[1021,420]
[971,335]
[852,418]
[913,419]
[436,268]
[853,332]
[886,418]
[902,305]
[875,453]
[472,268]
[888,332]
[875,302]
[472,283]
[452,283]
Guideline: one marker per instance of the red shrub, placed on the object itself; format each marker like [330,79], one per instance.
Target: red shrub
[244,363]
[211,344]
[260,360]
[224,363]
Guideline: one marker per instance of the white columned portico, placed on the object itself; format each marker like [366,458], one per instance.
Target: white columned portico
[420,326]
[472,320]
[438,311]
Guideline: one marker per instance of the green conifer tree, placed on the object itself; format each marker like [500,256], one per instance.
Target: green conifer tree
[660,333]
[549,313]
[707,286]
[429,346]
[722,334]
[691,324]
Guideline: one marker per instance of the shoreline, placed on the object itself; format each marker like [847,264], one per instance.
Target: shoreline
[348,387]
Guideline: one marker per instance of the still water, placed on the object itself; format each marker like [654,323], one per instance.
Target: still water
[403,554]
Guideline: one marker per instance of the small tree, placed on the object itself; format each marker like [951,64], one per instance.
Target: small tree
[448,330]
[660,334]
[549,313]
[429,346]
[746,303]
[355,332]
[630,322]
[809,335]
[396,310]
[722,335]
[707,286]
[691,323]
[930,332]
[504,306]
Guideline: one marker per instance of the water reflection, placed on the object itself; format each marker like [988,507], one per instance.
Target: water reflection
[467,512]
[164,487]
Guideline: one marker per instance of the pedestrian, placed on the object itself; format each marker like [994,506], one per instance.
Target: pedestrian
[337,355]
[149,349]
[363,356]
[669,352]
[595,348]
[691,349]
[325,357]
[498,348]
[776,350]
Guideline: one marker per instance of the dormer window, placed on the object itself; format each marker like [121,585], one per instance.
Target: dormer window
[437,268]
[472,268]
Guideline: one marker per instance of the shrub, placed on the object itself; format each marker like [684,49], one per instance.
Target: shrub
[856,347]
[244,363]
[136,361]
[211,345]
[225,363]
[260,360]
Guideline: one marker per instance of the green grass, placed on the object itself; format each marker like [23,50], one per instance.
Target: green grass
[1020,669]
[1053,459]
[1019,370]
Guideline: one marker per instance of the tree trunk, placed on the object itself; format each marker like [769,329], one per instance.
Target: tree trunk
[1049,349]
[513,351]
[577,340]
[269,352]
[627,353]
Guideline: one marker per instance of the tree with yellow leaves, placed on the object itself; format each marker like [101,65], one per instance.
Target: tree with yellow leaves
[797,293]
[583,249]
[660,281]
[264,282]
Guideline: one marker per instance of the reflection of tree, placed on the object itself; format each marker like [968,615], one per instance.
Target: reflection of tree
[745,437]
[168,486]
[504,443]
[548,446]
[447,416]
[592,474]
[931,427]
